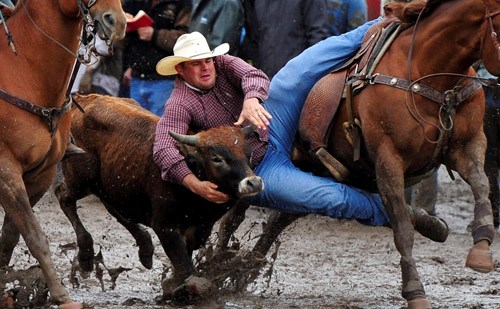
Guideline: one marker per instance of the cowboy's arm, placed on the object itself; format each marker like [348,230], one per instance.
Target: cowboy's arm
[172,164]
[255,86]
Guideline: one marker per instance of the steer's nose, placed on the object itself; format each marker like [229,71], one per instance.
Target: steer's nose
[251,185]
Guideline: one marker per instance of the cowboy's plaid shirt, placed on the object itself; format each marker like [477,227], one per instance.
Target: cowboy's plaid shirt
[221,106]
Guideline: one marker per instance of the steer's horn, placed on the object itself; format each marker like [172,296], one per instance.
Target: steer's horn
[191,140]
[248,130]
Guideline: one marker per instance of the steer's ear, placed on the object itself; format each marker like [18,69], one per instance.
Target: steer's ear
[248,130]
[191,140]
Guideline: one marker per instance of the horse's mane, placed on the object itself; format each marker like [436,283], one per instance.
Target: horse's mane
[408,12]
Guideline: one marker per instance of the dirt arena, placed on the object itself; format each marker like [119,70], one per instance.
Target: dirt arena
[321,263]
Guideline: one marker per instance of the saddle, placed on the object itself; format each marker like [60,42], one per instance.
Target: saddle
[321,105]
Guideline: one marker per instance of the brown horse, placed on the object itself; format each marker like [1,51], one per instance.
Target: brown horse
[421,107]
[34,126]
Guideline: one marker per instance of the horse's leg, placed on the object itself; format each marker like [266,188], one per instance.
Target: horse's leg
[390,182]
[15,201]
[10,234]
[8,241]
[468,161]
[67,197]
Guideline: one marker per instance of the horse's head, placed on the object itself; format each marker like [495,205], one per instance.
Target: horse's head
[107,15]
[491,42]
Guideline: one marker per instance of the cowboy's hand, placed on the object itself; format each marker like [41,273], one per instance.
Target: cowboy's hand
[205,189]
[145,33]
[254,112]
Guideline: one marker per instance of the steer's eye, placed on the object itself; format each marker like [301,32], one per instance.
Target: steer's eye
[217,160]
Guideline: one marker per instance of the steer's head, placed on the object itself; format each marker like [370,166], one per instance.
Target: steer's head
[222,156]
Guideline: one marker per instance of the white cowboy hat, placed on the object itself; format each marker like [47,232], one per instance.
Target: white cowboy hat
[189,46]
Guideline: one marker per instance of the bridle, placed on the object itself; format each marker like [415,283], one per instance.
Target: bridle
[53,115]
[494,36]
[88,36]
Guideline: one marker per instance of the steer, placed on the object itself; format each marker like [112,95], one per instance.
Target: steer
[117,136]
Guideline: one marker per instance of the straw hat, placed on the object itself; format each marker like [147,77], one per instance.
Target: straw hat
[190,46]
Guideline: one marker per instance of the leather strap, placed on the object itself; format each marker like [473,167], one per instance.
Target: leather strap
[425,90]
[49,114]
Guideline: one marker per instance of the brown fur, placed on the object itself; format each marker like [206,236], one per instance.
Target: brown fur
[118,167]
[38,73]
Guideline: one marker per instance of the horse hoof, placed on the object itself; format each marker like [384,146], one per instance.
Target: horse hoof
[419,303]
[71,305]
[480,259]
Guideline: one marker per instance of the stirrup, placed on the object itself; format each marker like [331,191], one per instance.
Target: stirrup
[337,169]
[71,150]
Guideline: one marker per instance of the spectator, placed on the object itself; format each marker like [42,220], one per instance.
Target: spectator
[282,29]
[346,15]
[220,21]
[145,46]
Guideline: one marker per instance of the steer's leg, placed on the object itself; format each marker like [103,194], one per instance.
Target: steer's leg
[140,234]
[390,182]
[176,250]
[276,223]
[228,224]
[67,196]
[468,161]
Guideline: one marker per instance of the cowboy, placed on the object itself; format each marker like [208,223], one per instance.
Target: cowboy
[214,89]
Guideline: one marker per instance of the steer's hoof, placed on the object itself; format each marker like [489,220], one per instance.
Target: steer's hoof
[480,258]
[71,305]
[419,303]
[193,287]
[146,261]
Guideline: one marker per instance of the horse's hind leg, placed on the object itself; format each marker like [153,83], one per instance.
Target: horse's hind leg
[10,235]
[468,161]
[14,199]
[390,182]
[8,241]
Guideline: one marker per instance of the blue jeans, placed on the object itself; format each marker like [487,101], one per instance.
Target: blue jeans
[151,94]
[287,188]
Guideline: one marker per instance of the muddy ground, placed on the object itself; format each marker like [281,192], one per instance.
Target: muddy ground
[320,263]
